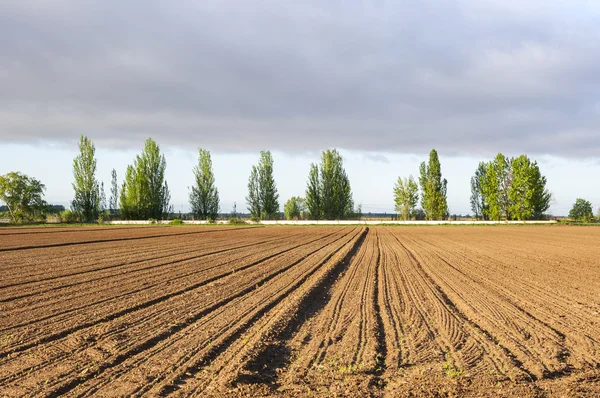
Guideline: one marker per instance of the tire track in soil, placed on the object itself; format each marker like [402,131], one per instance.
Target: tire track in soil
[536,364]
[463,343]
[118,362]
[227,347]
[284,323]
[267,364]
[112,240]
[550,309]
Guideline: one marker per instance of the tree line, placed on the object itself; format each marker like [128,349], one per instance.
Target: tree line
[502,188]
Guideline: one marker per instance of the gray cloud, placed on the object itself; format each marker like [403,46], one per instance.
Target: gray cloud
[465,76]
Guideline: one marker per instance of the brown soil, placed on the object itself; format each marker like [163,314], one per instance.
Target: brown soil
[296,311]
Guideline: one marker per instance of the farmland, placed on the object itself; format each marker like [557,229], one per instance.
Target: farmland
[289,311]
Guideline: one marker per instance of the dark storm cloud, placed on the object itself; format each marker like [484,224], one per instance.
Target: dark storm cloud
[466,77]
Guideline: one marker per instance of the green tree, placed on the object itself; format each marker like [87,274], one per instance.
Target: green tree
[328,193]
[22,195]
[113,202]
[294,208]
[204,196]
[478,203]
[528,195]
[497,181]
[313,194]
[253,198]
[433,188]
[269,198]
[541,197]
[102,200]
[263,199]
[512,189]
[86,187]
[582,211]
[145,193]
[406,196]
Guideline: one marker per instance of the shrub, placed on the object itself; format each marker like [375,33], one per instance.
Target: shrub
[69,217]
[103,217]
[152,221]
[176,221]
[237,221]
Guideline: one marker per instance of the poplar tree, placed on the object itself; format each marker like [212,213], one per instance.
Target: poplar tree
[433,188]
[406,196]
[328,191]
[263,200]
[294,208]
[204,195]
[253,198]
[313,194]
[86,187]
[478,203]
[145,193]
[113,202]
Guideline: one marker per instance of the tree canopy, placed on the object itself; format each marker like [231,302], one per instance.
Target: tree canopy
[145,192]
[406,196]
[23,196]
[204,195]
[328,192]
[582,211]
[263,200]
[294,208]
[433,188]
[87,190]
[513,189]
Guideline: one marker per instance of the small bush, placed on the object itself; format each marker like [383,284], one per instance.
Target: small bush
[176,221]
[103,217]
[69,217]
[152,221]
[237,221]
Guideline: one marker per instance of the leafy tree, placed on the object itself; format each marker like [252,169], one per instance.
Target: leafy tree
[328,193]
[582,211]
[22,195]
[478,203]
[269,198]
[513,189]
[145,193]
[433,188]
[113,202]
[86,187]
[263,199]
[497,181]
[102,201]
[336,195]
[406,196]
[528,195]
[204,197]
[313,194]
[294,208]
[541,197]
[253,198]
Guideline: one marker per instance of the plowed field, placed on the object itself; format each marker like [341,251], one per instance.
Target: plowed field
[296,311]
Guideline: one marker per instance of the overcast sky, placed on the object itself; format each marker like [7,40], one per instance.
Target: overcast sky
[385,81]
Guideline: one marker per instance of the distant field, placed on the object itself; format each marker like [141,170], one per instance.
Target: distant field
[294,311]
